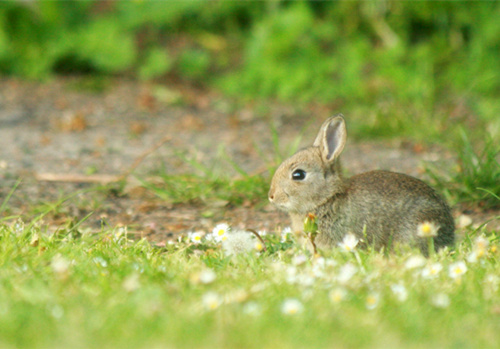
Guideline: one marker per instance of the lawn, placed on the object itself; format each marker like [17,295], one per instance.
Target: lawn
[77,288]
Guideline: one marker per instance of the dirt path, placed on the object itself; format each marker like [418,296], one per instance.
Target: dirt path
[54,129]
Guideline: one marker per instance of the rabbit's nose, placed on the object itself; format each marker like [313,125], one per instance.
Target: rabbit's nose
[271,195]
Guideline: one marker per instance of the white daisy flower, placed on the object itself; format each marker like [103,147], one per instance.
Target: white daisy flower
[305,280]
[441,300]
[285,234]
[292,306]
[346,272]
[400,292]
[131,283]
[262,233]
[427,229]
[252,308]
[415,262]
[196,237]
[219,233]
[349,242]
[481,245]
[463,221]
[457,269]
[337,295]
[472,257]
[291,274]
[207,276]
[372,300]
[432,271]
[211,300]
[299,259]
[60,265]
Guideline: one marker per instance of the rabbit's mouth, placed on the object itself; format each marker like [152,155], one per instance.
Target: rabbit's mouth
[284,206]
[281,206]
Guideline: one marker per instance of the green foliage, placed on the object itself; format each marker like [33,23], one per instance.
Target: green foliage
[194,64]
[399,68]
[156,64]
[105,45]
[477,178]
[278,58]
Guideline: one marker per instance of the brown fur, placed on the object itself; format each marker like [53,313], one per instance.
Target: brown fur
[382,208]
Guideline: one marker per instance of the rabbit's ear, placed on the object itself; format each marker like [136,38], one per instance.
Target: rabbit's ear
[331,138]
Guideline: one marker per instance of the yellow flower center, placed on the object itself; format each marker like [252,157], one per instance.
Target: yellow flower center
[426,228]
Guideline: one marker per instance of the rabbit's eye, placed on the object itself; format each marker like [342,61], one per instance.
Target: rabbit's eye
[298,175]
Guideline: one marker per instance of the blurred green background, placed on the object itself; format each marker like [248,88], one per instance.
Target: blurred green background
[384,61]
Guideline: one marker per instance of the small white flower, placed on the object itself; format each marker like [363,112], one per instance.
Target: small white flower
[285,234]
[57,311]
[60,265]
[472,257]
[252,308]
[195,237]
[415,262]
[219,233]
[207,276]
[121,232]
[18,226]
[319,262]
[131,282]
[291,274]
[349,242]
[463,221]
[481,245]
[100,261]
[337,295]
[491,285]
[399,290]
[236,296]
[346,272]
[330,262]
[292,306]
[262,233]
[432,271]
[493,280]
[457,269]
[299,259]
[372,300]
[211,300]
[427,229]
[440,300]
[305,280]
[318,270]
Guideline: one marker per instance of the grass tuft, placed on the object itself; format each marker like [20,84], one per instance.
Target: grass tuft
[199,189]
[477,178]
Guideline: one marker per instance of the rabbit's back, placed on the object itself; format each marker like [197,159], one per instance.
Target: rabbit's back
[385,208]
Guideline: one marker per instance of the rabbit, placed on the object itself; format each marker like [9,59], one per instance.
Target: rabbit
[381,208]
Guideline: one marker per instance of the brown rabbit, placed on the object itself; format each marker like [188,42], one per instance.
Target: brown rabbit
[380,207]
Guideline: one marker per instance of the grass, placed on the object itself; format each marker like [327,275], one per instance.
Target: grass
[101,289]
[477,177]
[194,189]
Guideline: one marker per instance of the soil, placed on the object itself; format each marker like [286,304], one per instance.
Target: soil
[58,139]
